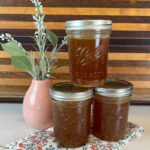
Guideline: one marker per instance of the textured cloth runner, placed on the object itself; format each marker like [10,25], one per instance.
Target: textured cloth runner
[44,140]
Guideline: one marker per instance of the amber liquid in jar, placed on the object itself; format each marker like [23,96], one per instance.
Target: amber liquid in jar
[110,118]
[88,61]
[71,122]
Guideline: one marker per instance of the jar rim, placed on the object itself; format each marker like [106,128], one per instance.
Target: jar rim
[89,24]
[115,88]
[66,91]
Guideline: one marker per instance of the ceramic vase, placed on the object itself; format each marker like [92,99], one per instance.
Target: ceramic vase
[37,108]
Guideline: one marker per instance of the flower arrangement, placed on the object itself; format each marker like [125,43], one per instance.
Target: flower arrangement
[38,65]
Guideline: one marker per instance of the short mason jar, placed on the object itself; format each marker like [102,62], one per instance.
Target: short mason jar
[110,109]
[88,44]
[71,107]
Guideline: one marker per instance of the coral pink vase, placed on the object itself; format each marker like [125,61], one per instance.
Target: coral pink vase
[37,108]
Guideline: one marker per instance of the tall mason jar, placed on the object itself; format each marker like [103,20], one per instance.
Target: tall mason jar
[88,44]
[110,109]
[71,107]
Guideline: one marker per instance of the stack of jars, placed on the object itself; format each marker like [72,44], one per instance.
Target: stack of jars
[91,103]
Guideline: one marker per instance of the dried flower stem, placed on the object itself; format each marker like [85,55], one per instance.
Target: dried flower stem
[42,64]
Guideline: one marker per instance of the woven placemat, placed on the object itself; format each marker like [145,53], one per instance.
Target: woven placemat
[45,140]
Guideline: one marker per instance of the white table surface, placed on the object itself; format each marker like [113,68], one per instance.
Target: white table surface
[13,127]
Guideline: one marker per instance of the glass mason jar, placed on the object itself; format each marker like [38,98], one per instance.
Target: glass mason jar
[110,110]
[71,114]
[88,43]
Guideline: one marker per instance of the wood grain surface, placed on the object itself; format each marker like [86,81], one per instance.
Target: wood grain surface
[129,56]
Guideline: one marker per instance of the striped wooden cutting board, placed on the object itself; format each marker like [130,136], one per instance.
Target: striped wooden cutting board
[129,56]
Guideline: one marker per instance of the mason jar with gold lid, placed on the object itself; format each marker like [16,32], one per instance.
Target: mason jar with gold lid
[71,107]
[88,43]
[110,111]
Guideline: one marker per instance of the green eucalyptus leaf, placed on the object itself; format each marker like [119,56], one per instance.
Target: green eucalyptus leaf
[22,62]
[52,37]
[13,49]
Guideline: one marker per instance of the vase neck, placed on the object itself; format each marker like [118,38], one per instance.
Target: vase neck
[41,83]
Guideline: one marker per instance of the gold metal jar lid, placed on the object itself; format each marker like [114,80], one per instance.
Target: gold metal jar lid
[89,24]
[66,91]
[115,88]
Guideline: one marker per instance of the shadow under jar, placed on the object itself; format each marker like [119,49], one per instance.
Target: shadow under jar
[110,112]
[88,43]
[71,114]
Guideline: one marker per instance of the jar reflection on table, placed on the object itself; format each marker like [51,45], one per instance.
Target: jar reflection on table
[88,43]
[110,112]
[71,114]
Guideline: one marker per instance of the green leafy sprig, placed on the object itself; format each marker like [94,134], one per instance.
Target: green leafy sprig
[39,66]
